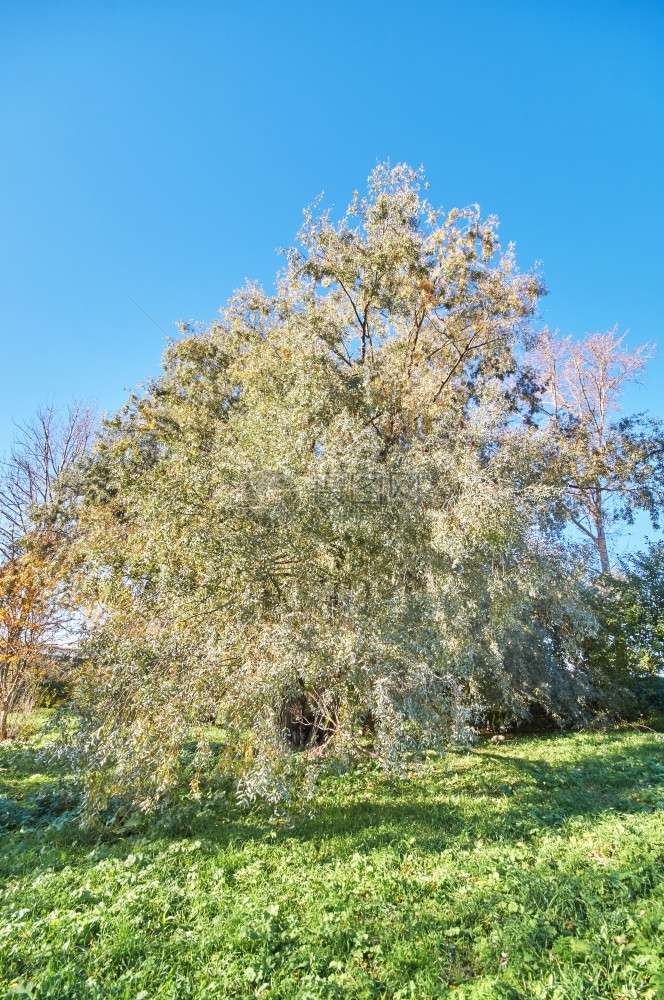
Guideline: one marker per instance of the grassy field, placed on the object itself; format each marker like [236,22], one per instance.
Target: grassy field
[535,869]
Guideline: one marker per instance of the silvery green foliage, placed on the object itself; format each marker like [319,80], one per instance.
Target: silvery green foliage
[325,508]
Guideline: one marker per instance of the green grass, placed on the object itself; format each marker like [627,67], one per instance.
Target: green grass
[530,870]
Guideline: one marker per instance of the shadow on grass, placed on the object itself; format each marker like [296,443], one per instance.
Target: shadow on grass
[479,793]
[497,796]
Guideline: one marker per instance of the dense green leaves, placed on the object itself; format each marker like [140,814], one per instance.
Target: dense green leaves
[626,654]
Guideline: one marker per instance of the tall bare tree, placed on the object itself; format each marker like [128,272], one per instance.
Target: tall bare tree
[33,614]
[610,465]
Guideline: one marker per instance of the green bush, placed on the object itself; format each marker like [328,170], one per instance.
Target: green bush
[625,658]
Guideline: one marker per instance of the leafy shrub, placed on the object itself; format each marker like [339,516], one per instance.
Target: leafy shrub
[625,657]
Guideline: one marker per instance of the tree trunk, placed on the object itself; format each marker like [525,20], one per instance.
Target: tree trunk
[602,547]
[4,714]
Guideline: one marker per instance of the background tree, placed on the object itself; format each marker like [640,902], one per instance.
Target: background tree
[34,611]
[609,466]
[626,654]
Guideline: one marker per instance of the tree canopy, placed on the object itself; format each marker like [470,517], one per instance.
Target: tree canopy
[326,519]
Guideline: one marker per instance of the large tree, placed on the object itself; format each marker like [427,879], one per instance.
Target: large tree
[322,517]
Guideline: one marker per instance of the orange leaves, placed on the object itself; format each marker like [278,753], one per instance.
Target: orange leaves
[30,615]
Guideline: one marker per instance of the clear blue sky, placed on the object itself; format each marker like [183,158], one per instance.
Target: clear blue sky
[162,150]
